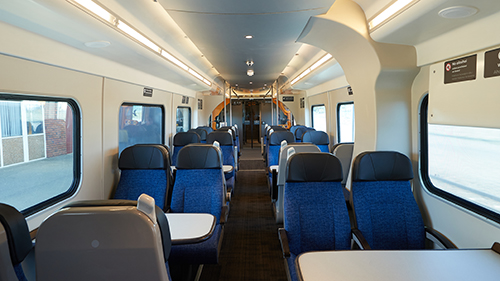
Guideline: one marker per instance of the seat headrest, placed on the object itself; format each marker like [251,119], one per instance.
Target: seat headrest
[160,217]
[206,128]
[278,128]
[223,137]
[294,128]
[185,138]
[381,166]
[313,167]
[201,132]
[198,156]
[300,131]
[228,129]
[144,156]
[18,234]
[278,136]
[316,137]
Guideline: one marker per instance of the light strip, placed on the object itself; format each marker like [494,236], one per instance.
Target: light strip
[315,65]
[173,59]
[96,10]
[137,36]
[114,21]
[392,10]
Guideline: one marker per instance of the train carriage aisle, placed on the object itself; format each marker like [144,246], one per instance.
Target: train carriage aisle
[251,248]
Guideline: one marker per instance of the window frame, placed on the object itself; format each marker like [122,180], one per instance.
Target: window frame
[424,170]
[77,149]
[338,120]
[312,115]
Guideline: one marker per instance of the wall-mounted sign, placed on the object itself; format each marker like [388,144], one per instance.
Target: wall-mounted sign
[287,98]
[349,91]
[185,100]
[147,92]
[462,69]
[302,103]
[200,104]
[492,63]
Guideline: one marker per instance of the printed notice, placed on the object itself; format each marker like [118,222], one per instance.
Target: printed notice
[459,70]
[492,63]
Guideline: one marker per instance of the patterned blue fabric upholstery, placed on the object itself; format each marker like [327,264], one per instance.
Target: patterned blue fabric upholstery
[387,215]
[19,272]
[133,183]
[385,209]
[315,212]
[198,191]
[205,252]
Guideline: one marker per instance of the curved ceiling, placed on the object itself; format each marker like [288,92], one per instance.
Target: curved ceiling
[218,28]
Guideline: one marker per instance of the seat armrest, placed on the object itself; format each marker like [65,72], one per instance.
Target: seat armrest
[284,242]
[223,214]
[359,239]
[439,239]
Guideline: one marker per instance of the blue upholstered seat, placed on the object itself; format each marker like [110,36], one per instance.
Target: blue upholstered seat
[299,132]
[315,214]
[384,207]
[273,151]
[225,140]
[182,139]
[199,188]
[201,132]
[17,237]
[145,168]
[319,138]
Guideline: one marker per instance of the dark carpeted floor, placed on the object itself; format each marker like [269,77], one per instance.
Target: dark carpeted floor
[251,248]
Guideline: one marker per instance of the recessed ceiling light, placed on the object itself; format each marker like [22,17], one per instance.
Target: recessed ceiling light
[250,72]
[458,12]
[249,37]
[250,82]
[97,44]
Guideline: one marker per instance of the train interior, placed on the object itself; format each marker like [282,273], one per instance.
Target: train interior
[84,83]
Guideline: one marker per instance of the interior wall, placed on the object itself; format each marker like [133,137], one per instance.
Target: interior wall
[115,94]
[379,74]
[30,78]
[465,228]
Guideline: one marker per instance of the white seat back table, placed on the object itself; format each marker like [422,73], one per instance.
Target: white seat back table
[186,228]
[417,265]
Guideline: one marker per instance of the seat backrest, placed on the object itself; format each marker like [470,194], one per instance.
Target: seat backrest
[318,138]
[15,243]
[182,139]
[145,168]
[300,131]
[294,128]
[385,210]
[206,128]
[343,151]
[315,214]
[226,145]
[298,147]
[201,132]
[104,242]
[275,139]
[199,184]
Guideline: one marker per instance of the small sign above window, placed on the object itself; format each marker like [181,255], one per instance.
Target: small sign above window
[462,69]
[288,98]
[147,92]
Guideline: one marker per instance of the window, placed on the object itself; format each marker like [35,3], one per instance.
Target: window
[40,160]
[183,119]
[345,122]
[460,164]
[319,117]
[140,124]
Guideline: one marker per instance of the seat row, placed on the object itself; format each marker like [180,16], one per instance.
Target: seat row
[386,216]
[198,187]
